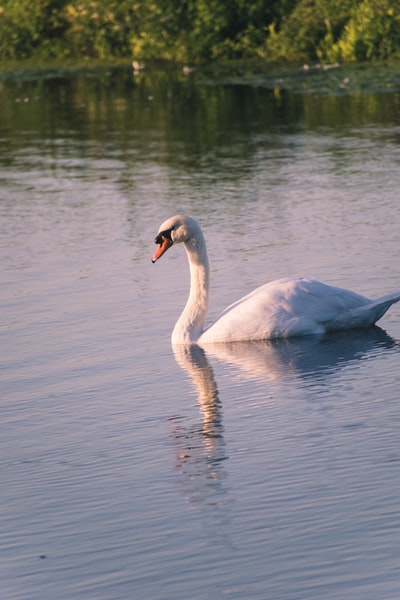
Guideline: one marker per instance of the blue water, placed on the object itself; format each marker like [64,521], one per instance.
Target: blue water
[264,470]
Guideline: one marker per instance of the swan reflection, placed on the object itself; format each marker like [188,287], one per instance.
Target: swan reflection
[193,360]
[310,357]
[200,448]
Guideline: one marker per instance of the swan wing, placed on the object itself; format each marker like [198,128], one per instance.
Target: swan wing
[293,307]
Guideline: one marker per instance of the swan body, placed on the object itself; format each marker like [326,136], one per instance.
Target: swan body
[278,309]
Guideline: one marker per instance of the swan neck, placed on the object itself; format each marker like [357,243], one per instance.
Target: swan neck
[191,322]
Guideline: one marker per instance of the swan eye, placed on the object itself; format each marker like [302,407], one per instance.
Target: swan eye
[162,235]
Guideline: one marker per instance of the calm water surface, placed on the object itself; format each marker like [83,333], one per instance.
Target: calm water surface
[255,471]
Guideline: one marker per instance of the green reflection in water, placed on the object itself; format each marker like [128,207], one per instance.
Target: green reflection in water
[182,120]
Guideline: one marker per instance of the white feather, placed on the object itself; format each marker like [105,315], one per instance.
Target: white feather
[278,309]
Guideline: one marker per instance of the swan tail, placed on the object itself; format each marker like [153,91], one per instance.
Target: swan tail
[371,313]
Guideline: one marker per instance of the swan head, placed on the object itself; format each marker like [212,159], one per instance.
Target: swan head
[175,230]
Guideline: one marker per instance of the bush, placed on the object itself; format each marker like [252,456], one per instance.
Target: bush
[372,32]
[342,30]
[307,30]
[201,30]
[99,28]
[29,26]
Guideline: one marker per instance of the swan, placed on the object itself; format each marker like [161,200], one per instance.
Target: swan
[279,309]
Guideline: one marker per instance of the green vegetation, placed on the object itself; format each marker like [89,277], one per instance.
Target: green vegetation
[201,30]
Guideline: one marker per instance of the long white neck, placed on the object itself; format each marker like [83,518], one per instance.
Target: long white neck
[190,324]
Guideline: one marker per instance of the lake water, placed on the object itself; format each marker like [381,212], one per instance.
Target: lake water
[256,471]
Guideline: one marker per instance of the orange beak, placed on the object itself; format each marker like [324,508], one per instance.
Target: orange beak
[164,243]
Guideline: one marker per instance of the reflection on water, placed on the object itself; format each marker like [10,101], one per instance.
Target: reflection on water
[194,361]
[200,449]
[311,358]
[179,121]
[300,492]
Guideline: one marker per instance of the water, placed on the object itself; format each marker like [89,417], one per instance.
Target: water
[255,471]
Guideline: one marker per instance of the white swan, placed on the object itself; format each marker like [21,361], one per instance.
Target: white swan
[278,309]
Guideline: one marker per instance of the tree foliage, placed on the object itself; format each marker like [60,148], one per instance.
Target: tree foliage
[338,30]
[201,30]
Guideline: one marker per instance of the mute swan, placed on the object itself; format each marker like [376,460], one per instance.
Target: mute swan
[278,309]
